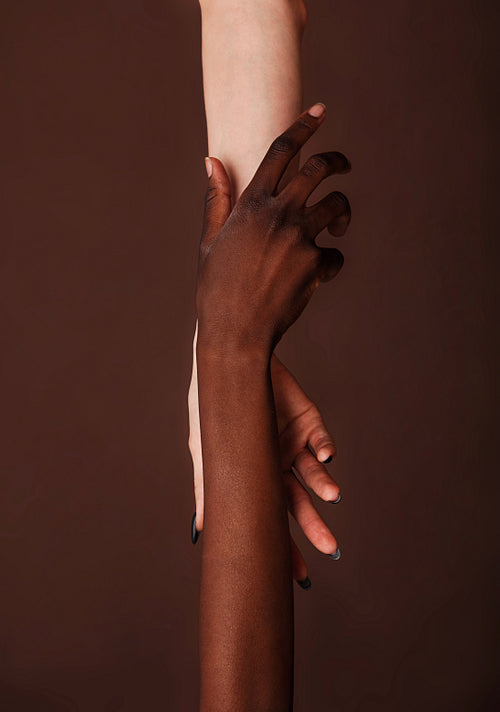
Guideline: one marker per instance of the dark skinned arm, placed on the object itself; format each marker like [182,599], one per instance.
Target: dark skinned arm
[258,268]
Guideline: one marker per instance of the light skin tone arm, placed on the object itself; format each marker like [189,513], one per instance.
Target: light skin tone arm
[253,90]
[258,268]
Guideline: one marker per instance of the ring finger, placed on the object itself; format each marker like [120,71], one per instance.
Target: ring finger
[303,511]
[333,211]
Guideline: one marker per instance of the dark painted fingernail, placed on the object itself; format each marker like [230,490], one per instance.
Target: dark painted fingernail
[194,532]
[328,459]
[336,555]
[305,584]
[335,501]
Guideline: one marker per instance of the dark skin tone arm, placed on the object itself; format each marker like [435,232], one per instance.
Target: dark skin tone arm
[258,268]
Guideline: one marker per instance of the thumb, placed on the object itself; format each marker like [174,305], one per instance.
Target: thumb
[217,200]
[330,263]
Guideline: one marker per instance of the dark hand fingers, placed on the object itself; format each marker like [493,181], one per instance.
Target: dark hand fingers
[284,148]
[316,476]
[217,202]
[314,170]
[333,211]
[299,566]
[303,511]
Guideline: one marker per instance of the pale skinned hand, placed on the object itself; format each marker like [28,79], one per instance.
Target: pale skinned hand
[283,221]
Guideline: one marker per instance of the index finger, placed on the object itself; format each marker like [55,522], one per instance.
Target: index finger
[285,147]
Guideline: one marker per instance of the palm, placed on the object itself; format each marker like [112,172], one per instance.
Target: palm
[300,428]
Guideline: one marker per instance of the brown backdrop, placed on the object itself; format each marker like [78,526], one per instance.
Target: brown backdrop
[103,146]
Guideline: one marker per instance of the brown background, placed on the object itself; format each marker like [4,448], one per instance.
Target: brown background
[103,146]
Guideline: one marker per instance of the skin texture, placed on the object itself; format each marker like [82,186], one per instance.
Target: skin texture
[252,78]
[258,268]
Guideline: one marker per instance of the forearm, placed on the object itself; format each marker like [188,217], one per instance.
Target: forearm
[253,90]
[251,79]
[246,598]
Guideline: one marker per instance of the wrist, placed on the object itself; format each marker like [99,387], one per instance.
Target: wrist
[231,351]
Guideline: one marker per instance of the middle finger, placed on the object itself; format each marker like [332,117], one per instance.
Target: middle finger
[316,476]
[314,170]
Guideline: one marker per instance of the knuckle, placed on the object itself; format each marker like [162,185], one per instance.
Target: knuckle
[279,219]
[210,195]
[312,468]
[315,528]
[325,442]
[304,123]
[277,225]
[338,204]
[313,166]
[323,161]
[318,437]
[282,144]
[340,197]
[252,201]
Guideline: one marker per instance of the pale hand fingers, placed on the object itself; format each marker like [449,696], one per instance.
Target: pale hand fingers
[292,404]
[320,440]
[316,476]
[195,440]
[303,511]
[308,427]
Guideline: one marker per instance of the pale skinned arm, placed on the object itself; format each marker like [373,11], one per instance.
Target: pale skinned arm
[252,81]
[253,90]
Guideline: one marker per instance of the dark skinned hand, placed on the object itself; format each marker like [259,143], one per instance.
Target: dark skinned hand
[274,233]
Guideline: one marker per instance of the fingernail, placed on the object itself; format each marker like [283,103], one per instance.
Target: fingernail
[336,555]
[317,110]
[194,532]
[305,584]
[335,501]
[208,166]
[328,459]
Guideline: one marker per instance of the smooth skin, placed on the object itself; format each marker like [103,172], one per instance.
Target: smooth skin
[258,268]
[253,91]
